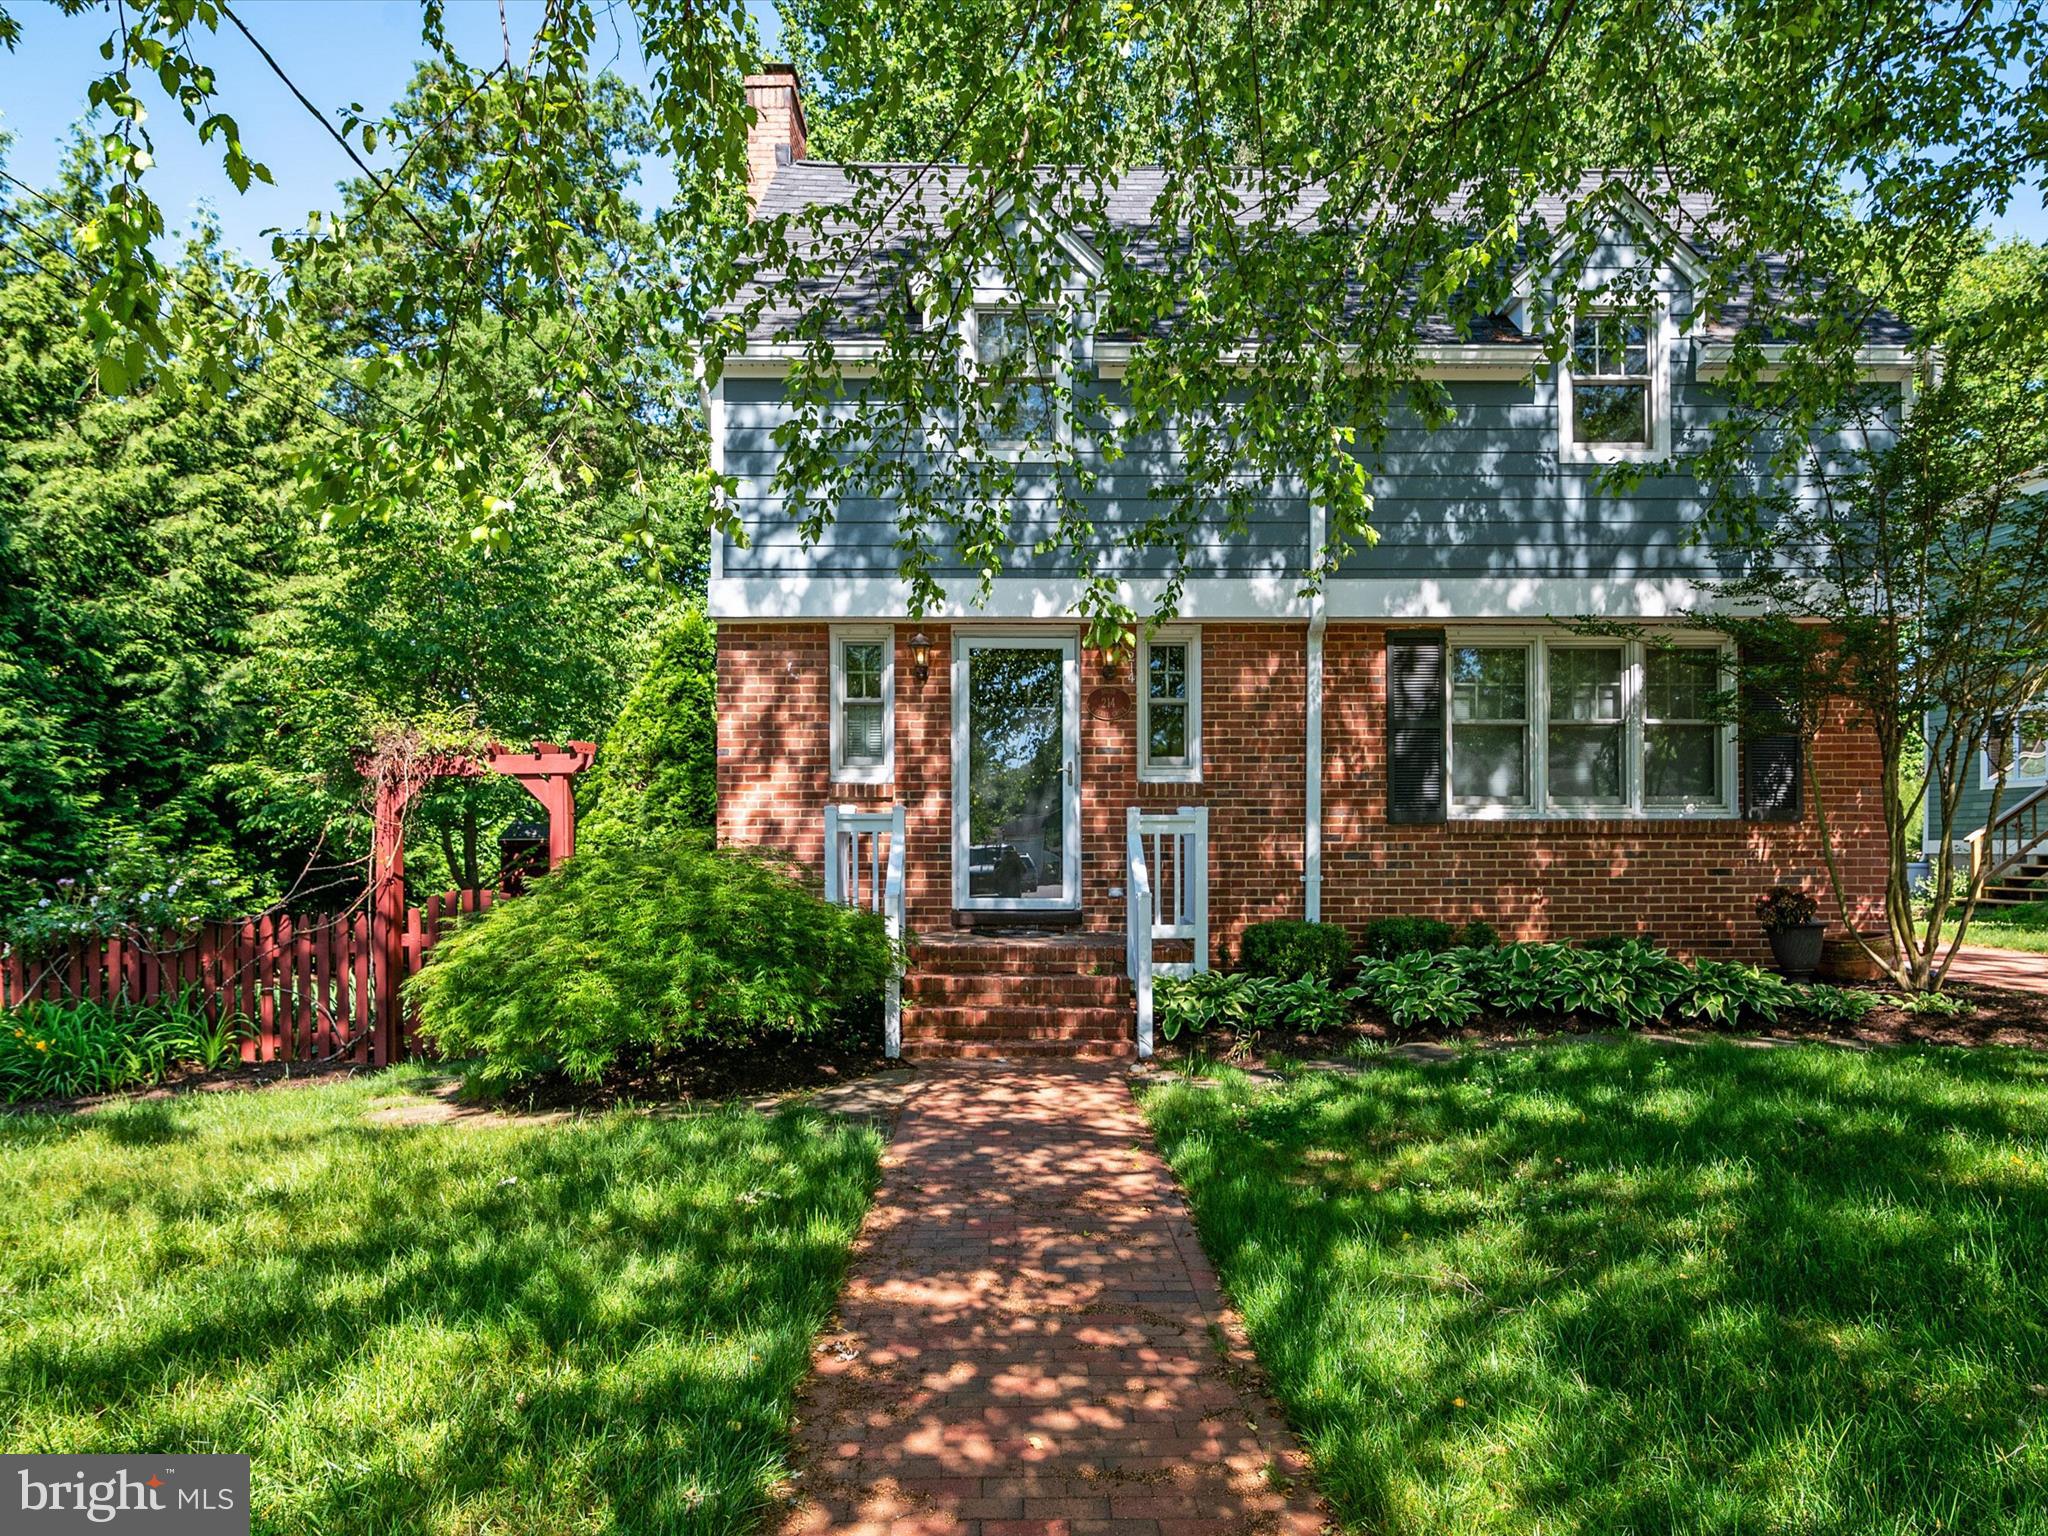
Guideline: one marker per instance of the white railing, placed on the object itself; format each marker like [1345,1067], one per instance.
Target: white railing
[1166,897]
[864,868]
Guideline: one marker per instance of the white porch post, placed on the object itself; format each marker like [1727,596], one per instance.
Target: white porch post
[834,880]
[893,907]
[1312,789]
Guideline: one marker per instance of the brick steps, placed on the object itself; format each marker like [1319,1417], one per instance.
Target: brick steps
[1003,989]
[1025,997]
[1018,1050]
[1017,1024]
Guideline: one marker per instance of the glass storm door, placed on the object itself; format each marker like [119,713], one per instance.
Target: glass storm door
[1016,788]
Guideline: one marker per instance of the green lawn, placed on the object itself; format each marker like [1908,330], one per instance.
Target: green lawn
[585,1327]
[1613,1287]
[2011,927]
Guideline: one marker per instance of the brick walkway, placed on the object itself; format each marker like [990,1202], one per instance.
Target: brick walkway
[2012,970]
[1032,1340]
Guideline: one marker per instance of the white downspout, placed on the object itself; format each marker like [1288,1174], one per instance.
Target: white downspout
[1312,796]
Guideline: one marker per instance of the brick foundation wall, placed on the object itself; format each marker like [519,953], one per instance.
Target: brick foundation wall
[1687,884]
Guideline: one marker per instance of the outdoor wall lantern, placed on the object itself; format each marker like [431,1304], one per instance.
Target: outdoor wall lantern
[921,655]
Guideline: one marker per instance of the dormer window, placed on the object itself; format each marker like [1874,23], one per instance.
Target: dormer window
[1609,404]
[1019,350]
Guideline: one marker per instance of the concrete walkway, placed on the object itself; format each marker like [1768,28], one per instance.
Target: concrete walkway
[1031,1339]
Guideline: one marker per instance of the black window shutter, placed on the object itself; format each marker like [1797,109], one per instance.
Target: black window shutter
[1773,764]
[1416,792]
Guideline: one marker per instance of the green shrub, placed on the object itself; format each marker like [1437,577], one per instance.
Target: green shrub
[1627,984]
[1419,990]
[1385,937]
[1938,1005]
[1836,1005]
[657,769]
[1239,1000]
[59,1049]
[1290,949]
[646,943]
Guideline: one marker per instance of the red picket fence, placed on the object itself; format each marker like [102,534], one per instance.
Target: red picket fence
[306,987]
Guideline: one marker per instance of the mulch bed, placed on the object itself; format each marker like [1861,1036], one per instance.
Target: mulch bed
[1996,1018]
[710,1073]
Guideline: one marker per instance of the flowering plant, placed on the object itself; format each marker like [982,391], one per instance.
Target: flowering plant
[135,891]
[1782,907]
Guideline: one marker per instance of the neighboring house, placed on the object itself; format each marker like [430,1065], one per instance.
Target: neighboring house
[1419,737]
[2001,821]
[2002,812]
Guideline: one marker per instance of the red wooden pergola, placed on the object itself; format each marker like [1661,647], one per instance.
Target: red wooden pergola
[545,771]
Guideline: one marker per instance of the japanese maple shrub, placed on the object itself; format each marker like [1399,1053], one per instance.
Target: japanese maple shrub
[647,943]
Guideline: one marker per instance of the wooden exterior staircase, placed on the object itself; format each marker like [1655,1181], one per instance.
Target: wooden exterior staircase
[2011,855]
[1018,997]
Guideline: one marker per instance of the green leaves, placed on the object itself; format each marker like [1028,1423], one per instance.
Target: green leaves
[1628,985]
[647,944]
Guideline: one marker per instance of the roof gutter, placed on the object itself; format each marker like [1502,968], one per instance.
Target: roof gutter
[1887,363]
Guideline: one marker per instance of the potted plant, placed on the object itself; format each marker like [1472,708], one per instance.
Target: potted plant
[1787,916]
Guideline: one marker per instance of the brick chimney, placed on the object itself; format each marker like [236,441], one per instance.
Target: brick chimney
[777,136]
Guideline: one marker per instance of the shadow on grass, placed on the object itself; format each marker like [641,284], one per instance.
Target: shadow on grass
[592,1326]
[1615,1287]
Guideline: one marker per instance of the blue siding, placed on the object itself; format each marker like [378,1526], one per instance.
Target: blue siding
[1484,495]
[861,540]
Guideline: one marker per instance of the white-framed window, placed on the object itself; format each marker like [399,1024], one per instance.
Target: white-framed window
[1541,724]
[1611,391]
[2017,751]
[1170,706]
[1683,756]
[1024,347]
[863,706]
[1490,726]
[1585,737]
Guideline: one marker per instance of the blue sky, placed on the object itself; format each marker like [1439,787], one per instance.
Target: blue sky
[338,51]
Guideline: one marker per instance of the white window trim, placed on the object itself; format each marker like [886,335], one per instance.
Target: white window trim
[1062,377]
[1539,643]
[1988,775]
[1662,343]
[1189,772]
[844,772]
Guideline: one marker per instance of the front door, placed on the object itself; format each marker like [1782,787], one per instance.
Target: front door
[1016,781]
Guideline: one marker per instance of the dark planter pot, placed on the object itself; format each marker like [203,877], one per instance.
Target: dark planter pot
[1797,949]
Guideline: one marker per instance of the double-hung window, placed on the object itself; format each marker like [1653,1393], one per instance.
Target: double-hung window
[1490,726]
[2018,750]
[1587,739]
[1018,351]
[1610,407]
[1683,737]
[863,706]
[1573,727]
[1170,707]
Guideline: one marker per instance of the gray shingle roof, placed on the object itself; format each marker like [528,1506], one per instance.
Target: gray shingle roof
[909,199]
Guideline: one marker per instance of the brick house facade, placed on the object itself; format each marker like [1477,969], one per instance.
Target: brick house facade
[1427,733]
[1687,883]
